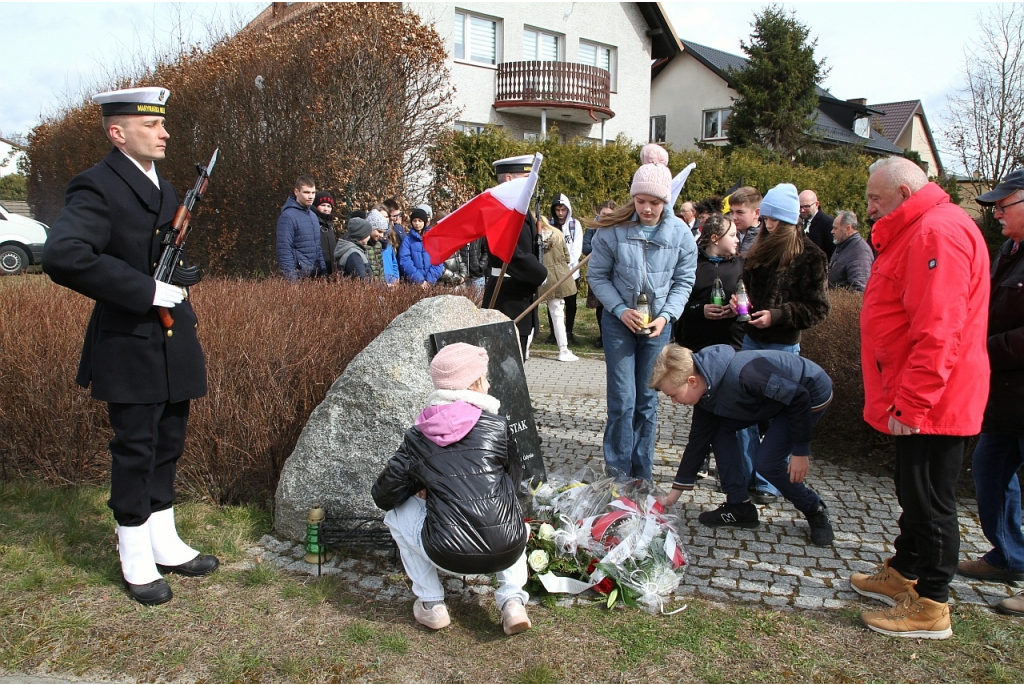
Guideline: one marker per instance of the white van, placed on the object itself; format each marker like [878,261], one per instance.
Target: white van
[21,242]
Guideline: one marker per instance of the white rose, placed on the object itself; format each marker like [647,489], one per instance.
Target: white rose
[538,560]
[546,531]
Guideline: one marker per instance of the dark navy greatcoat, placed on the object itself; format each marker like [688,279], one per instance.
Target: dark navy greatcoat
[524,275]
[105,245]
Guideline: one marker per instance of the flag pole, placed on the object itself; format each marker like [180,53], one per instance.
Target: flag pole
[497,286]
[540,298]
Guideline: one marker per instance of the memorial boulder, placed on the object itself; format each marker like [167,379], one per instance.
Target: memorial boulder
[351,435]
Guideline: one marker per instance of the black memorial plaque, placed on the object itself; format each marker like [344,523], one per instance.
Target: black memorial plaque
[508,383]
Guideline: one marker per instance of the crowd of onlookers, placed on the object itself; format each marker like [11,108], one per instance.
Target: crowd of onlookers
[385,243]
[380,243]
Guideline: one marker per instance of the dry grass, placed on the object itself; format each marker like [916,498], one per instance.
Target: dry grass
[65,615]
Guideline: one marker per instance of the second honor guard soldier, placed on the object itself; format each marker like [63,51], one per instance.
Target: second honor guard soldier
[525,273]
[105,245]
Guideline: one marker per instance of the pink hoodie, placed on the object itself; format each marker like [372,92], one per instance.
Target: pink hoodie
[445,424]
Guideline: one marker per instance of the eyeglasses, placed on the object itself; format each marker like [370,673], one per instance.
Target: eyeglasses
[396,217]
[1003,208]
[808,206]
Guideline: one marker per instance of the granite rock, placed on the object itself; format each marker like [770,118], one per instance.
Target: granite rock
[359,425]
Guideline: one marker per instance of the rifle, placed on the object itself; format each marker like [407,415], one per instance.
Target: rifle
[171,267]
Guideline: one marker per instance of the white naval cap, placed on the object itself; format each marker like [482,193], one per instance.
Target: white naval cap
[514,165]
[133,101]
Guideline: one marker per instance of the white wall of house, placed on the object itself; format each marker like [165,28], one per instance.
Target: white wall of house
[617,25]
[8,161]
[682,92]
[916,139]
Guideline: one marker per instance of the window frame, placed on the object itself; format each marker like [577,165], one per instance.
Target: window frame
[469,128]
[652,130]
[559,44]
[466,43]
[613,59]
[723,129]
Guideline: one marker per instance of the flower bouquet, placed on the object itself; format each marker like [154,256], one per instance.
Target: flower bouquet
[611,537]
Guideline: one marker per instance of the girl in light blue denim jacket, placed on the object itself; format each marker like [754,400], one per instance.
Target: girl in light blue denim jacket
[639,248]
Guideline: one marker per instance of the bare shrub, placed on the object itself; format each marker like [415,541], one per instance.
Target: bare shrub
[835,346]
[273,350]
[352,94]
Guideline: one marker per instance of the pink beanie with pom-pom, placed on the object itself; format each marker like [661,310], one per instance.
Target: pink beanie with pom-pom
[654,177]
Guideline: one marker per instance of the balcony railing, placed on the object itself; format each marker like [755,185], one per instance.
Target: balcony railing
[557,83]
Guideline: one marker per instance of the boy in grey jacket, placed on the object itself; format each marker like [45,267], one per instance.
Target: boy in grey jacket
[730,391]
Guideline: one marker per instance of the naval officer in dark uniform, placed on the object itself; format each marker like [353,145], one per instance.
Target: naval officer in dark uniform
[525,272]
[105,245]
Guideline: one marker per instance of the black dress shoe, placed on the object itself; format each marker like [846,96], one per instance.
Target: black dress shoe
[202,565]
[599,343]
[550,340]
[156,592]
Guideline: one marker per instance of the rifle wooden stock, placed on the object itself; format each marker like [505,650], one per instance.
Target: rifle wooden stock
[165,317]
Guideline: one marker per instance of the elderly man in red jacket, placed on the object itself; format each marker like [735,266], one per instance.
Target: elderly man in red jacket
[926,377]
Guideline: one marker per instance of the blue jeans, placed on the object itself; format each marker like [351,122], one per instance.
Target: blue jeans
[996,461]
[771,460]
[632,405]
[750,437]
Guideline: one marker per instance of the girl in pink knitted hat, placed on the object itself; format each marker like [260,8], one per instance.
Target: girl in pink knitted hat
[450,492]
[643,257]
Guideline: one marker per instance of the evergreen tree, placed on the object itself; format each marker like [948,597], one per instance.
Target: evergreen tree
[777,89]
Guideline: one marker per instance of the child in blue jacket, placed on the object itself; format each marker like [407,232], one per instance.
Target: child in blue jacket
[730,391]
[413,258]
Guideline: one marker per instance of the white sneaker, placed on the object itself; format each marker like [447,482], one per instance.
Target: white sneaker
[435,618]
[513,618]
[566,355]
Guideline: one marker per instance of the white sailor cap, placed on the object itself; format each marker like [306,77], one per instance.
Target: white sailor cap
[133,101]
[514,165]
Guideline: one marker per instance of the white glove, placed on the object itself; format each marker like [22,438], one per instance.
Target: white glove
[167,295]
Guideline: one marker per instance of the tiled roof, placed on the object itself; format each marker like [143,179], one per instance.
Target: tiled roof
[721,62]
[897,116]
[824,126]
[832,132]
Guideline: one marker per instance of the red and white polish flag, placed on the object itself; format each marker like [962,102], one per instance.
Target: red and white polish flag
[497,213]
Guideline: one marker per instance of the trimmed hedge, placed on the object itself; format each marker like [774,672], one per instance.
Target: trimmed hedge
[590,174]
[273,350]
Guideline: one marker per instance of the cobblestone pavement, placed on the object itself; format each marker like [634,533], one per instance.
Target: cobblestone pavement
[774,565]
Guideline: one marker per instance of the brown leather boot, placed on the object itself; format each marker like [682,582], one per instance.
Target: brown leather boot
[1012,606]
[982,570]
[885,585]
[913,616]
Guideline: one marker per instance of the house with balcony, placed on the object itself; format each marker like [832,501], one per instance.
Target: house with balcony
[692,96]
[531,68]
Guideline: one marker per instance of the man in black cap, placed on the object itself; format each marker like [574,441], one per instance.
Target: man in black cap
[105,245]
[1000,451]
[525,272]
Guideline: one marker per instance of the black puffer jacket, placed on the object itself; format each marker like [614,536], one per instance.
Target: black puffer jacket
[797,296]
[1004,412]
[474,523]
[694,330]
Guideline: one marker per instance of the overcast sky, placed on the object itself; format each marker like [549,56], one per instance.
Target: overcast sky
[884,51]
